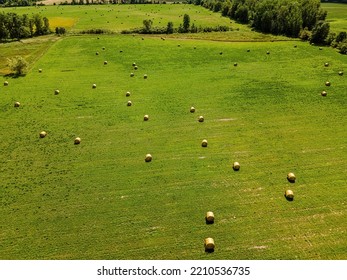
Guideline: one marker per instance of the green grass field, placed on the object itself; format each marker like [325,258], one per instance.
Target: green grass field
[337,16]
[101,200]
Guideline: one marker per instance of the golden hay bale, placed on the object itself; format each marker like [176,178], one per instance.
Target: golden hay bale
[289,194]
[145,76]
[94,86]
[148,158]
[340,73]
[268,52]
[324,93]
[6,83]
[134,64]
[129,103]
[326,64]
[248,50]
[56,91]
[192,109]
[145,117]
[131,74]
[235,64]
[201,119]
[40,70]
[43,134]
[327,83]
[77,140]
[291,177]
[135,67]
[236,166]
[204,143]
[97,53]
[16,104]
[209,217]
[105,62]
[209,244]
[127,93]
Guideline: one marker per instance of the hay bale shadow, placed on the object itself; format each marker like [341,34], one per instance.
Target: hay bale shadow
[209,222]
[209,250]
[289,198]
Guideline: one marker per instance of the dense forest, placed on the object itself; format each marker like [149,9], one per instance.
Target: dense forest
[304,19]
[280,17]
[16,27]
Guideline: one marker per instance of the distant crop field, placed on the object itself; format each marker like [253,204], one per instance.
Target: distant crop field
[100,199]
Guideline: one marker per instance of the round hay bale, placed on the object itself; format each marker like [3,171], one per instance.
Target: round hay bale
[324,93]
[178,45]
[209,217]
[6,83]
[201,119]
[221,53]
[103,48]
[235,64]
[56,92]
[148,158]
[192,109]
[327,83]
[127,93]
[340,73]
[289,195]
[326,64]
[131,74]
[134,64]
[236,166]
[105,62]
[94,86]
[129,103]
[268,52]
[248,50]
[209,244]
[77,141]
[16,104]
[135,67]
[145,76]
[295,46]
[97,53]
[291,177]
[43,134]
[40,70]
[145,117]
[204,143]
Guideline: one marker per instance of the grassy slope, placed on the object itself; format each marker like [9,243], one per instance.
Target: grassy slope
[100,200]
[337,16]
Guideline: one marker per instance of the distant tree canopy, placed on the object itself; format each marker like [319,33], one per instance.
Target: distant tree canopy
[16,27]
[279,17]
[15,3]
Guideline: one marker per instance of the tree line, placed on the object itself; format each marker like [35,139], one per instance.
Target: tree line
[303,19]
[16,27]
[279,17]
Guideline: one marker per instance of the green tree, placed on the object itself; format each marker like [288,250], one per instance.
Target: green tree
[147,25]
[186,22]
[320,32]
[38,23]
[169,28]
[241,14]
[17,64]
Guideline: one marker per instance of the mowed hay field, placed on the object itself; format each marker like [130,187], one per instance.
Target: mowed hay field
[101,200]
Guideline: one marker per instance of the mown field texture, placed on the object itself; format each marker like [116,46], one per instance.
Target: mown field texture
[101,200]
